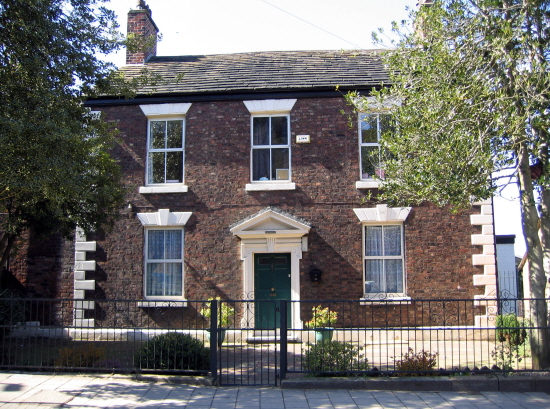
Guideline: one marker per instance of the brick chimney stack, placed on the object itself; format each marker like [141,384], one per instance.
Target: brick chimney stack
[140,22]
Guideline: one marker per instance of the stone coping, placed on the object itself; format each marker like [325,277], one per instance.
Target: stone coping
[468,383]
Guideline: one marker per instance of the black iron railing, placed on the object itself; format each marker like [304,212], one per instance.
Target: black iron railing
[235,344]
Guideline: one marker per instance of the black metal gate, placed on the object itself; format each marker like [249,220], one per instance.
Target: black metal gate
[250,355]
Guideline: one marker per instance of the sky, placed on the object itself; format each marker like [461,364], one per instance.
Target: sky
[199,27]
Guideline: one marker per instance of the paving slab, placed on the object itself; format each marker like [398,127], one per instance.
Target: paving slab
[61,391]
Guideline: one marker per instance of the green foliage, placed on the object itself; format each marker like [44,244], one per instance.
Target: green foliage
[56,169]
[322,317]
[80,356]
[509,330]
[225,312]
[512,338]
[334,358]
[469,87]
[173,351]
[418,363]
[505,356]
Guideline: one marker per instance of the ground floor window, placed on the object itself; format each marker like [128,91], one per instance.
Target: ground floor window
[383,256]
[164,263]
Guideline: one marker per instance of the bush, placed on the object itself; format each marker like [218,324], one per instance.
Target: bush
[80,356]
[416,363]
[508,330]
[173,351]
[336,358]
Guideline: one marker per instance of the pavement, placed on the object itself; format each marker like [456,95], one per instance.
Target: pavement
[44,391]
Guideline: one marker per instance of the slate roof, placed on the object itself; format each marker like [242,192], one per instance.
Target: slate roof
[280,71]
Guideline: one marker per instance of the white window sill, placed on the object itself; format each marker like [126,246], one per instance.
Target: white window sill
[367,184]
[257,187]
[376,300]
[162,304]
[179,188]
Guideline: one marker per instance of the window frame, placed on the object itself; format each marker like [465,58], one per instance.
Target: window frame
[148,162]
[147,261]
[384,295]
[362,144]
[270,147]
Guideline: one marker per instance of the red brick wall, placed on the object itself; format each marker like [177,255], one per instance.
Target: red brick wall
[217,167]
[43,267]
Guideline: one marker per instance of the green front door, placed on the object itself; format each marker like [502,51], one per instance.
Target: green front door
[271,283]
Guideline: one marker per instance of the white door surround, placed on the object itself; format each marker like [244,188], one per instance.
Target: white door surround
[271,231]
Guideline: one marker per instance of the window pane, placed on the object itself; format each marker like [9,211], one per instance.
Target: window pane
[155,241]
[374,276]
[392,240]
[155,279]
[173,278]
[173,244]
[156,167]
[373,241]
[158,132]
[369,161]
[279,158]
[279,130]
[369,132]
[260,131]
[174,134]
[394,276]
[174,167]
[260,164]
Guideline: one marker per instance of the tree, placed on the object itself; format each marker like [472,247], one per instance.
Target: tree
[56,172]
[473,85]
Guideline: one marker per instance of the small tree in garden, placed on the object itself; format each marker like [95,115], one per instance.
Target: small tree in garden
[470,91]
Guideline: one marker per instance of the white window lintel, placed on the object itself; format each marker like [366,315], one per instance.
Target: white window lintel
[382,214]
[155,110]
[164,217]
[270,106]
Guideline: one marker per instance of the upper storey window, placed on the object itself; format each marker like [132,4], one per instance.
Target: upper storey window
[270,148]
[165,163]
[371,127]
[270,155]
[165,153]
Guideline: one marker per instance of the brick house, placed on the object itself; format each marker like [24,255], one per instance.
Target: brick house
[246,180]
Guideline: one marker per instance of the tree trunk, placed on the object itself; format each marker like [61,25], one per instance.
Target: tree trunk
[537,311]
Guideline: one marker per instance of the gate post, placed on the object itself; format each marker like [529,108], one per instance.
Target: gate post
[283,338]
[214,340]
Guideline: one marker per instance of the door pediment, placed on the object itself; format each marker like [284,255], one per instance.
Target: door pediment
[270,223]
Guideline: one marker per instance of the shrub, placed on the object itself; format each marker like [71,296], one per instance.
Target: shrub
[416,363]
[337,358]
[80,356]
[173,351]
[508,330]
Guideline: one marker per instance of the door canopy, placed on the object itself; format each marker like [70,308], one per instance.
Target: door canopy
[270,223]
